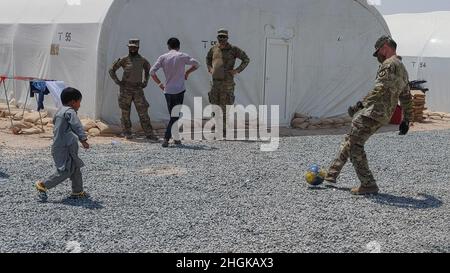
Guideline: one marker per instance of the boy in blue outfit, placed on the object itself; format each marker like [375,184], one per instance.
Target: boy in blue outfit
[67,131]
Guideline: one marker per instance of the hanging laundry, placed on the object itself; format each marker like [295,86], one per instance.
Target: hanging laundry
[39,88]
[56,88]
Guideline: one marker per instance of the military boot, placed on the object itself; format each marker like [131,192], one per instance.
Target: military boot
[365,190]
[127,135]
[80,195]
[178,142]
[330,179]
[152,138]
[165,143]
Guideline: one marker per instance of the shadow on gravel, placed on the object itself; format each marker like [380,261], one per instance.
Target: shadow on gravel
[194,147]
[317,188]
[425,202]
[3,177]
[139,140]
[292,132]
[84,203]
[332,187]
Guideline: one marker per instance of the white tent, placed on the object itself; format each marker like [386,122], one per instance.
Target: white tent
[424,44]
[308,56]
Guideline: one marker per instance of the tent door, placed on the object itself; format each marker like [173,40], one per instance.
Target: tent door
[278,67]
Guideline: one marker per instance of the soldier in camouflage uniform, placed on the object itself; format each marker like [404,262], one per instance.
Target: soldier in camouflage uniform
[374,112]
[132,89]
[220,61]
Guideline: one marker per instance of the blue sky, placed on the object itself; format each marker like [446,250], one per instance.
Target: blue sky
[411,6]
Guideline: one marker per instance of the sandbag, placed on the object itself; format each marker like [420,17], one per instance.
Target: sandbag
[327,122]
[34,117]
[304,126]
[22,124]
[101,126]
[31,131]
[315,121]
[45,121]
[94,132]
[88,124]
[297,122]
[110,130]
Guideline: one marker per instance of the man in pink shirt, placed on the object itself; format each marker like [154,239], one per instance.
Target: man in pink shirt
[173,64]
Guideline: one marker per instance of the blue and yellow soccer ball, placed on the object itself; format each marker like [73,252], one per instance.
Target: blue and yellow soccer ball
[315,176]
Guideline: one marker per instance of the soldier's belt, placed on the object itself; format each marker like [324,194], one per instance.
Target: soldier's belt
[132,84]
[224,80]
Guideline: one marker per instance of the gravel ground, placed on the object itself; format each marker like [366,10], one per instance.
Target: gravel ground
[231,197]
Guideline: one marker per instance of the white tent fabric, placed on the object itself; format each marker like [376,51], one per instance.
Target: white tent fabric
[424,43]
[329,45]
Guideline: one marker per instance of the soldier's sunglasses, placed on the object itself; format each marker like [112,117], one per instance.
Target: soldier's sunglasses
[222,37]
[378,50]
[376,53]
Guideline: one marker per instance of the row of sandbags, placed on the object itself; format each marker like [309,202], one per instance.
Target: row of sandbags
[304,122]
[29,122]
[436,115]
[24,122]
[418,100]
[100,128]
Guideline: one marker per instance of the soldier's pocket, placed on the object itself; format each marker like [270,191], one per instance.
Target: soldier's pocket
[140,100]
[123,100]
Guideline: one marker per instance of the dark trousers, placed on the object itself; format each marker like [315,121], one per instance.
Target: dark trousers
[172,101]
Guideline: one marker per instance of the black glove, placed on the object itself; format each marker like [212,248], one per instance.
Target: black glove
[354,109]
[144,84]
[404,127]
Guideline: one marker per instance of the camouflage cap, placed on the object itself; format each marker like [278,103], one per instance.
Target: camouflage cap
[222,32]
[380,43]
[134,42]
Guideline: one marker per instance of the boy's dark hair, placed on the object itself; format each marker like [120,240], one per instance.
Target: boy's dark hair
[173,43]
[70,94]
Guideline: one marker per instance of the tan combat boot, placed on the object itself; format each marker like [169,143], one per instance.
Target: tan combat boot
[365,190]
[330,179]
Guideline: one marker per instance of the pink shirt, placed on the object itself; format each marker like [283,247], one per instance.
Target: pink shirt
[173,64]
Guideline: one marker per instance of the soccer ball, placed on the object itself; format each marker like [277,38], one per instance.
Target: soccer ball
[315,176]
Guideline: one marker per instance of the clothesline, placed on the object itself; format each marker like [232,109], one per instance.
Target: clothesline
[52,87]
[22,78]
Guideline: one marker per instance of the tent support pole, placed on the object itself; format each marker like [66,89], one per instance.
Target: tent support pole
[40,116]
[7,103]
[26,100]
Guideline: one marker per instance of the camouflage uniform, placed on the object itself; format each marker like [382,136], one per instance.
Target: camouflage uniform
[222,61]
[379,106]
[132,90]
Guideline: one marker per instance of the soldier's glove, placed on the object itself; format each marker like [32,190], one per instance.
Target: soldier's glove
[144,84]
[119,83]
[404,127]
[354,109]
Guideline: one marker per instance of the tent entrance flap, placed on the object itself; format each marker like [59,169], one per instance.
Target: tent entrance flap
[277,78]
